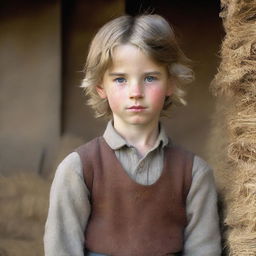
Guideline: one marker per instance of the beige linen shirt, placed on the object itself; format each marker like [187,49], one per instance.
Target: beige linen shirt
[69,208]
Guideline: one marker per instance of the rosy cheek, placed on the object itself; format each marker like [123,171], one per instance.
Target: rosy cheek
[112,103]
[115,99]
[157,97]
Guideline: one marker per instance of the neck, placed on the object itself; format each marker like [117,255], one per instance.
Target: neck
[142,138]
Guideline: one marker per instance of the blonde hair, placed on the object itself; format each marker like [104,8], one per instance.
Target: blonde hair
[153,35]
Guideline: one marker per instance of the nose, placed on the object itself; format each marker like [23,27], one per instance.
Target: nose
[136,91]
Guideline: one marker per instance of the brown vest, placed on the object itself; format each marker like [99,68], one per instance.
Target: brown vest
[130,219]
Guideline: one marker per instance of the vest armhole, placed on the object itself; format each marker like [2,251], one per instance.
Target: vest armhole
[187,159]
[87,155]
[188,173]
[183,160]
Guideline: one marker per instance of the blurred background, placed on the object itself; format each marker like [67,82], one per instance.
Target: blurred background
[43,112]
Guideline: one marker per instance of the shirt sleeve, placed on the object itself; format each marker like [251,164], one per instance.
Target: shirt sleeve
[202,234]
[69,210]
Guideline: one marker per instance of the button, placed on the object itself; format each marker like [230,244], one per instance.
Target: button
[141,164]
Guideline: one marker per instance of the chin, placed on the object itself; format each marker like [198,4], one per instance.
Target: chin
[139,121]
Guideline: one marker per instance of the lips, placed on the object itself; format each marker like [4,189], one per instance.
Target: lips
[136,108]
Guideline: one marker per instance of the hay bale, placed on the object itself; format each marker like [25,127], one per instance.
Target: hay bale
[24,205]
[24,200]
[235,162]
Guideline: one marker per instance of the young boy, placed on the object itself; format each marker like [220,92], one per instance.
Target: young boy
[133,192]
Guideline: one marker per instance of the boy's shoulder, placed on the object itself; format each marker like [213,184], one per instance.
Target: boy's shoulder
[179,149]
[200,165]
[90,147]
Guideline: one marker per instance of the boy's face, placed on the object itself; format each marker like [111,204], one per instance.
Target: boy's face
[135,87]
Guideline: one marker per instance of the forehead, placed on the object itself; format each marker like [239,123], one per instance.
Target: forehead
[128,55]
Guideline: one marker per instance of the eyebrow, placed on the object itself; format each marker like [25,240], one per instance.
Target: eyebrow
[117,74]
[153,73]
[146,74]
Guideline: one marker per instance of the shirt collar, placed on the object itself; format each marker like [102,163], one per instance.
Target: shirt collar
[116,141]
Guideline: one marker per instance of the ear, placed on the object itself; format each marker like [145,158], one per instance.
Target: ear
[100,90]
[170,87]
[169,91]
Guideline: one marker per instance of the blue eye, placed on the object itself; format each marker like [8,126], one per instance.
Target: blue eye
[120,80]
[150,79]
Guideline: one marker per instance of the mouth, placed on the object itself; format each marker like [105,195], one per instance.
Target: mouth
[136,108]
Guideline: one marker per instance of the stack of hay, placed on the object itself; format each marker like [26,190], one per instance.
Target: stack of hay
[235,86]
[24,202]
[24,206]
